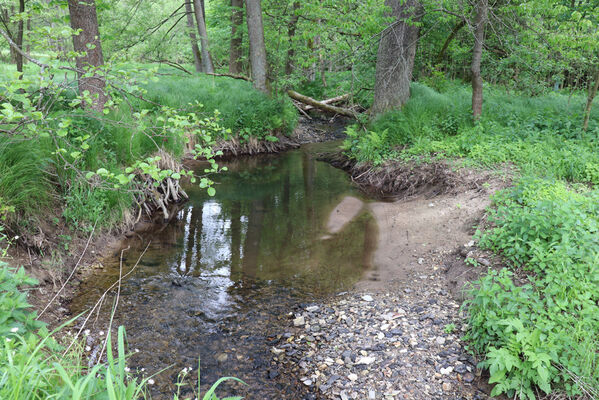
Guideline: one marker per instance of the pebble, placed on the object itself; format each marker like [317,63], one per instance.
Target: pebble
[387,346]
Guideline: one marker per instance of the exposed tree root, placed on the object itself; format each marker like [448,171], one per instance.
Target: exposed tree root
[398,179]
[234,147]
[160,199]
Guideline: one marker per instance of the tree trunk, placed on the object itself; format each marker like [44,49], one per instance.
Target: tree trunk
[449,39]
[291,28]
[593,86]
[257,46]
[192,36]
[235,66]
[395,57]
[19,39]
[87,43]
[198,7]
[482,9]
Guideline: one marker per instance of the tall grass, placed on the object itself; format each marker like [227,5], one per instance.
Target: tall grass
[25,184]
[241,107]
[540,135]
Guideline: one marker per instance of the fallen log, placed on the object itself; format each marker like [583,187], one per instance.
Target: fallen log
[319,104]
[332,100]
[245,78]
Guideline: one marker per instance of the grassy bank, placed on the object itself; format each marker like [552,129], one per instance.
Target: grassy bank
[535,323]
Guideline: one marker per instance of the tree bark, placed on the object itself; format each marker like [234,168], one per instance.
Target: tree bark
[198,7]
[395,57]
[291,28]
[482,9]
[235,65]
[593,86]
[86,41]
[449,39]
[257,46]
[192,36]
[19,39]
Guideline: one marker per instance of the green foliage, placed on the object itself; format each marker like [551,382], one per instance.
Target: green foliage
[532,335]
[15,313]
[24,182]
[240,107]
[537,135]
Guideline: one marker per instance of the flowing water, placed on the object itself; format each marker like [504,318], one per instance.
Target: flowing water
[220,280]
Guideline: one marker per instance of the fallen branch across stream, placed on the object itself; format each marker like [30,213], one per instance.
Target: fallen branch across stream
[332,100]
[320,105]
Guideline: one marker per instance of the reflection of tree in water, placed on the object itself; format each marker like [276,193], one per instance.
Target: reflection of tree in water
[240,255]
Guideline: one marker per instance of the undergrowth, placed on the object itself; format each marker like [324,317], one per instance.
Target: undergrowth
[542,332]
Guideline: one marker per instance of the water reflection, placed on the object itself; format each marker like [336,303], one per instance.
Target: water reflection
[217,280]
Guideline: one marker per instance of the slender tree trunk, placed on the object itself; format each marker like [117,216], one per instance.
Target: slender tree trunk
[87,43]
[482,9]
[449,39]
[395,57]
[291,28]
[593,86]
[192,36]
[235,66]
[257,46]
[198,7]
[19,39]
[28,30]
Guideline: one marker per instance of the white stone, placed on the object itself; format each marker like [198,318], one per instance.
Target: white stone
[365,360]
[367,297]
[446,371]
[352,377]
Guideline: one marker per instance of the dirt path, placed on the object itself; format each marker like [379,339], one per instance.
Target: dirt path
[397,335]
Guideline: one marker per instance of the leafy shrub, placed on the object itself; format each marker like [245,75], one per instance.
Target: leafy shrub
[15,313]
[532,335]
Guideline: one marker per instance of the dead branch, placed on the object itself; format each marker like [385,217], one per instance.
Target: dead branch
[332,100]
[245,78]
[320,105]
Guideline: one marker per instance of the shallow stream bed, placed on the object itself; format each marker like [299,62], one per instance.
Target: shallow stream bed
[218,282]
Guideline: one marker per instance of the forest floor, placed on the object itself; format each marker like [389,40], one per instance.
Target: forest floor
[397,334]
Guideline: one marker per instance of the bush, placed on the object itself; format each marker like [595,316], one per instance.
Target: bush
[534,334]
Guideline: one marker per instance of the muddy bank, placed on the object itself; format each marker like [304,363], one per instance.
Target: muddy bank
[401,179]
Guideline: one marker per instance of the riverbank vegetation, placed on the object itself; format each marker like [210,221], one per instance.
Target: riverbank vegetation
[100,101]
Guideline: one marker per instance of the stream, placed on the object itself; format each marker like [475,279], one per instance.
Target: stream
[219,282]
